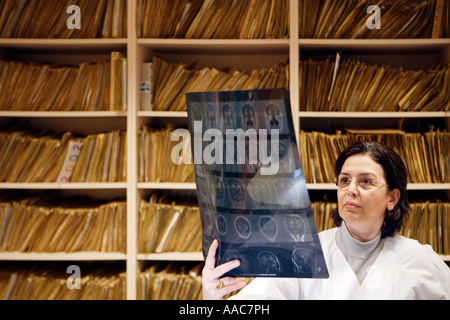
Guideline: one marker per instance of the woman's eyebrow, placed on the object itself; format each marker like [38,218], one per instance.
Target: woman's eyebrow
[361,174]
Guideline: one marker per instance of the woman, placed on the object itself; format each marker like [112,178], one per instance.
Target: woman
[365,259]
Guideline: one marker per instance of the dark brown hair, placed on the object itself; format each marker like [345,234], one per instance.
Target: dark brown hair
[395,175]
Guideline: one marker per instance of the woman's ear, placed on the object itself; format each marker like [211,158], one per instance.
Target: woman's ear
[394,196]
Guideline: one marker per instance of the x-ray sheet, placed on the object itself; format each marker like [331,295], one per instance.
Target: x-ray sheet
[250,184]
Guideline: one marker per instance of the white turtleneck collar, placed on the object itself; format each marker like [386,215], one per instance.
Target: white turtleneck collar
[360,255]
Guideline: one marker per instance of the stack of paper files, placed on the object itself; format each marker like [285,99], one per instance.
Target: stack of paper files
[322,211]
[172,80]
[425,154]
[38,156]
[170,281]
[359,86]
[355,19]
[44,281]
[213,19]
[169,227]
[103,158]
[429,223]
[48,223]
[155,160]
[32,156]
[29,86]
[57,19]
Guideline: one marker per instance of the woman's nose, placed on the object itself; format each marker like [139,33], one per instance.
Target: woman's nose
[353,187]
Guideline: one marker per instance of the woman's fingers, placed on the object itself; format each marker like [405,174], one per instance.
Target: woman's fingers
[214,286]
[209,268]
[224,268]
[229,281]
[216,290]
[211,257]
[235,284]
[211,272]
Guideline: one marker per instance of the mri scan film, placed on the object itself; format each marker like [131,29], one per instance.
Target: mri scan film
[250,184]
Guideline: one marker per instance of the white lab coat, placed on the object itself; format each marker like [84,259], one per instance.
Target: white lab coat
[404,269]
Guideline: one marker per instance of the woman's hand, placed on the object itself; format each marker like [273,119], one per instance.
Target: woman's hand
[215,287]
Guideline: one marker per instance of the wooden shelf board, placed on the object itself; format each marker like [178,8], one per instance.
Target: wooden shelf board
[321,186]
[412,45]
[167,185]
[61,256]
[325,114]
[63,186]
[163,114]
[428,186]
[217,45]
[63,114]
[172,256]
[72,45]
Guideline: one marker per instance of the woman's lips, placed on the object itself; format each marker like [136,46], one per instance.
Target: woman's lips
[351,205]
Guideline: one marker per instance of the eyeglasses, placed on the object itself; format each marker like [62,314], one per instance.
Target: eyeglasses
[365,183]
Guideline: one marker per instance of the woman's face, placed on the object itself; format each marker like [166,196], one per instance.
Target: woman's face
[363,206]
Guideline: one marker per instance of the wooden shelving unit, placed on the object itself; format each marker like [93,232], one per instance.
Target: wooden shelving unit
[218,53]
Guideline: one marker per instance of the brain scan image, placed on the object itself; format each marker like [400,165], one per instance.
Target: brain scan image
[222,225]
[260,192]
[235,254]
[269,262]
[303,259]
[219,190]
[211,116]
[208,221]
[227,117]
[268,227]
[273,117]
[249,117]
[237,192]
[295,226]
[197,112]
[287,193]
[243,227]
